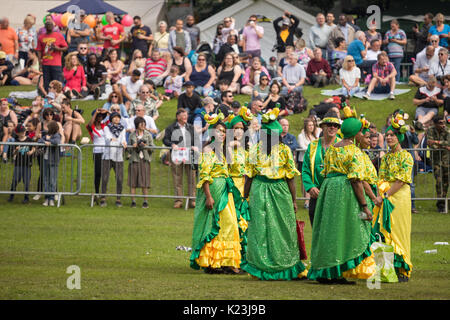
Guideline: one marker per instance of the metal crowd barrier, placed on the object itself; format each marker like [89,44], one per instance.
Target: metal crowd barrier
[76,174]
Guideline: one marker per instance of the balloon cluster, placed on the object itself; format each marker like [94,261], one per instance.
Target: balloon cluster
[398,122]
[270,116]
[364,121]
[63,20]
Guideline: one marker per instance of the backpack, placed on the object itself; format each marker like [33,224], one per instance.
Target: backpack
[295,102]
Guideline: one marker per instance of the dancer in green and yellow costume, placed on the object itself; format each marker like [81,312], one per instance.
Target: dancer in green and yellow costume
[393,219]
[272,251]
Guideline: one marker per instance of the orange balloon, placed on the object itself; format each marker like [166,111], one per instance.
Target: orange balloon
[66,17]
[90,21]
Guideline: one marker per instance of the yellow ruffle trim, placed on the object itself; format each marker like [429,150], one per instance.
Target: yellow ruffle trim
[217,254]
[243,224]
[365,270]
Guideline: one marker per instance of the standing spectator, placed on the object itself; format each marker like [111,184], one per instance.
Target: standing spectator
[156,68]
[438,139]
[95,76]
[161,38]
[217,41]
[252,36]
[189,100]
[180,134]
[395,40]
[342,30]
[304,53]
[349,76]
[441,29]
[228,47]
[50,47]
[9,41]
[351,21]
[129,87]
[285,32]
[71,122]
[50,162]
[83,52]
[180,38]
[27,39]
[74,77]
[96,130]
[383,77]
[421,35]
[79,33]
[113,33]
[202,76]
[22,163]
[252,75]
[287,138]
[183,63]
[358,49]
[293,76]
[194,33]
[318,70]
[319,33]
[6,68]
[112,158]
[228,28]
[43,30]
[373,34]
[231,72]
[330,20]
[422,66]
[439,69]
[140,35]
[428,99]
[139,167]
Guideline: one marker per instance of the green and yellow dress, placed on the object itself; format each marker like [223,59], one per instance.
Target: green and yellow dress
[215,237]
[340,239]
[396,226]
[272,251]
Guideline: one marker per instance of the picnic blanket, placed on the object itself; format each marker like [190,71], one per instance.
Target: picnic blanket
[373,96]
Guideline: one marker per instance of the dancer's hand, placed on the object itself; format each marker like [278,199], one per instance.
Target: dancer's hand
[295,206]
[368,213]
[209,203]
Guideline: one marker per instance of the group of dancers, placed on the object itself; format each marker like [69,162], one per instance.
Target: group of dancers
[245,214]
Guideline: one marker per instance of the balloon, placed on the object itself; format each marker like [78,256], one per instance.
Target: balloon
[127,20]
[90,21]
[104,21]
[57,19]
[66,17]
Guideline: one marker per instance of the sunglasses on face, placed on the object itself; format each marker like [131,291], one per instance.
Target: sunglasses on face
[332,125]
[49,114]
[83,48]
[145,92]
[264,79]
[201,59]
[114,96]
[434,41]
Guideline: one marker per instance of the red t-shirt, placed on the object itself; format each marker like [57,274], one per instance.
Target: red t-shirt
[114,30]
[51,57]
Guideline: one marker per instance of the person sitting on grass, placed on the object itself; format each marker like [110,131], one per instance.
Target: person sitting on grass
[383,77]
[71,121]
[75,77]
[173,84]
[428,99]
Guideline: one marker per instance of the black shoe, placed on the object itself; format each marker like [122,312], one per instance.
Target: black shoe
[325,281]
[210,270]
[25,201]
[145,205]
[11,198]
[418,125]
[402,278]
[96,93]
[343,281]
[118,204]
[68,95]
[76,94]
[133,204]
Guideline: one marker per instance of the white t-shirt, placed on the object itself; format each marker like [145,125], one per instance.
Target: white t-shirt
[421,62]
[438,69]
[372,55]
[149,123]
[350,76]
[98,139]
[132,88]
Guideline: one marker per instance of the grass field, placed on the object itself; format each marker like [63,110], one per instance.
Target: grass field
[130,253]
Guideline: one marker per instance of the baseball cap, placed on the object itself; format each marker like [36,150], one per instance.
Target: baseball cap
[235,104]
[82,12]
[189,83]
[286,21]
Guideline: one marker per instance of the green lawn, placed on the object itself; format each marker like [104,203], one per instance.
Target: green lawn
[130,253]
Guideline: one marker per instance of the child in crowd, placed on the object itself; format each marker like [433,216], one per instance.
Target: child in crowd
[272,67]
[22,163]
[173,84]
[115,140]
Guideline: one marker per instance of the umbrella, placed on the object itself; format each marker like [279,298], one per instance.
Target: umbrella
[90,6]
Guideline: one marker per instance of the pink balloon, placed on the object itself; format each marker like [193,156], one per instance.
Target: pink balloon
[127,20]
[57,19]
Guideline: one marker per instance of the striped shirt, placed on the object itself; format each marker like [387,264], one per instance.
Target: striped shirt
[154,68]
[395,50]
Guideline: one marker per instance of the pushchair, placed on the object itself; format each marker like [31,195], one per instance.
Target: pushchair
[204,48]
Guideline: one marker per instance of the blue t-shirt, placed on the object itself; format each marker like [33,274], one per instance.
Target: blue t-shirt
[354,49]
[443,41]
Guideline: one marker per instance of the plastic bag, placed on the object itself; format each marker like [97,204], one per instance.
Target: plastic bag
[384,259]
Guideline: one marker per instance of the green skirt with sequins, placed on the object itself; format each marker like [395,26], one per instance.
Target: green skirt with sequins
[272,249]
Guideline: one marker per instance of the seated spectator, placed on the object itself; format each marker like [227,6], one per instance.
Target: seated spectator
[115,97]
[114,67]
[150,124]
[222,86]
[226,107]
[139,166]
[274,100]
[293,76]
[262,89]
[30,74]
[252,75]
[358,49]
[440,68]
[138,62]
[349,76]
[441,29]
[71,122]
[231,72]
[95,76]
[200,125]
[129,87]
[150,105]
[272,67]
[183,63]
[156,68]
[422,66]
[202,76]
[6,68]
[189,100]
[371,57]
[428,99]
[6,114]
[338,54]
[318,70]
[173,83]
[446,95]
[383,77]
[75,78]
[284,62]
[288,138]
[304,53]
[228,47]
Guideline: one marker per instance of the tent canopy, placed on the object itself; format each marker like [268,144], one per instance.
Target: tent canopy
[90,6]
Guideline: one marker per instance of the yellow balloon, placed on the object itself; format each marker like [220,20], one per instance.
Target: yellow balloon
[66,17]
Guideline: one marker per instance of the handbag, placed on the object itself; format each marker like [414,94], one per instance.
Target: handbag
[301,240]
